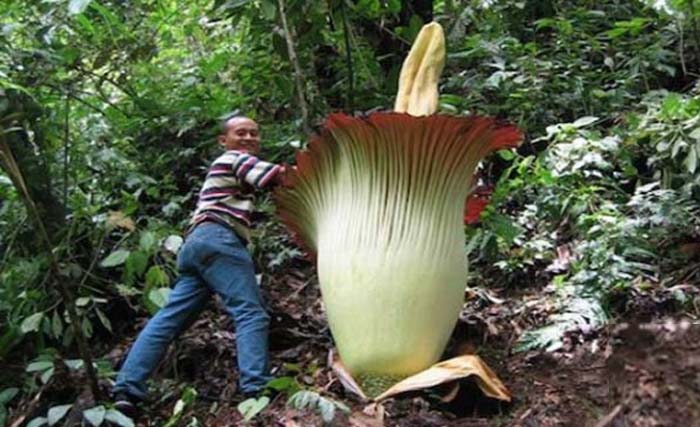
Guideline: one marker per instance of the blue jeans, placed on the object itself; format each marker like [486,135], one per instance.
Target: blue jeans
[212,260]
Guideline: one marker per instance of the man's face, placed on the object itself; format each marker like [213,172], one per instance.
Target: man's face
[241,134]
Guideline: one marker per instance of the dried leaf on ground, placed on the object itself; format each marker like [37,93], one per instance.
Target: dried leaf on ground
[450,370]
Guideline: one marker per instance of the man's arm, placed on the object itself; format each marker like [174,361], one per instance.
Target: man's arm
[256,172]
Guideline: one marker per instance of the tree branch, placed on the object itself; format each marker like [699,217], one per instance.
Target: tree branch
[298,76]
[348,59]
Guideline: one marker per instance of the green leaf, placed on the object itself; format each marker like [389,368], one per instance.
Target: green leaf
[147,240]
[155,276]
[695,134]
[82,302]
[96,415]
[115,258]
[506,155]
[7,395]
[74,364]
[269,9]
[249,408]
[41,365]
[584,121]
[173,243]
[3,415]
[87,327]
[31,323]
[189,395]
[46,375]
[309,399]
[114,416]
[56,325]
[38,422]
[58,412]
[286,384]
[691,161]
[77,6]
[504,227]
[159,296]
[136,263]
[327,410]
[104,320]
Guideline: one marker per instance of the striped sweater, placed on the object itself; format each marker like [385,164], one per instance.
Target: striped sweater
[224,197]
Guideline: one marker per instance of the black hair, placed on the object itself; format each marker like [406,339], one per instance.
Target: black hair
[228,116]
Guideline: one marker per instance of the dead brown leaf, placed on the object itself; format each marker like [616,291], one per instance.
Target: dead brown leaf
[119,220]
[451,370]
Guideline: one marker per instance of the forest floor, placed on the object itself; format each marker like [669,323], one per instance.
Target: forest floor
[642,372]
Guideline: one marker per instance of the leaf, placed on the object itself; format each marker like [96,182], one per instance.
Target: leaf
[115,258]
[327,410]
[104,320]
[114,416]
[136,263]
[695,134]
[187,398]
[87,327]
[159,296]
[95,416]
[310,399]
[450,370]
[155,276]
[74,364]
[504,227]
[7,395]
[39,366]
[77,6]
[147,240]
[189,395]
[584,121]
[506,155]
[58,412]
[56,325]
[31,323]
[691,161]
[172,243]
[38,422]
[286,384]
[82,302]
[249,408]
[118,219]
[46,375]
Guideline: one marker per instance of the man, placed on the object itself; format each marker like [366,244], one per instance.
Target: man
[213,260]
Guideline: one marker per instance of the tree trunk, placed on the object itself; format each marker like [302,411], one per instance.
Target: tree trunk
[32,165]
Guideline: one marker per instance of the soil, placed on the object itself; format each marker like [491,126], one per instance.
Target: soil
[641,372]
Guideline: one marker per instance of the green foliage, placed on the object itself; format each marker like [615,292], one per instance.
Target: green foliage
[310,400]
[668,132]
[554,66]
[586,192]
[6,396]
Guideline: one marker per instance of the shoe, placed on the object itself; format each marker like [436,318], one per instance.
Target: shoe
[126,404]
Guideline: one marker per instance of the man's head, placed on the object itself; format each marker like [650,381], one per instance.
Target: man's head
[240,133]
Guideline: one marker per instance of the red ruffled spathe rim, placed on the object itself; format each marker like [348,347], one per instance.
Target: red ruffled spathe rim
[502,135]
